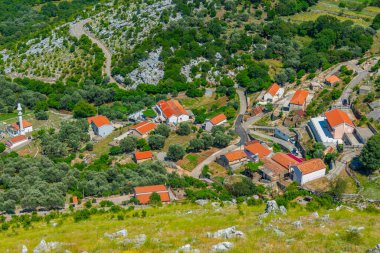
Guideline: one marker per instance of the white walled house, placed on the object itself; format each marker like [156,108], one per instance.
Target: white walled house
[20,127]
[101,125]
[274,93]
[17,141]
[218,120]
[308,171]
[172,111]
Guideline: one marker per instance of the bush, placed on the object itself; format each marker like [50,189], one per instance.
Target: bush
[183,129]
[42,115]
[176,152]
[82,215]
[2,147]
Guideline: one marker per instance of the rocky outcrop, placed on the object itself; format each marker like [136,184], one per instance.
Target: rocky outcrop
[226,233]
[222,247]
[120,233]
[187,249]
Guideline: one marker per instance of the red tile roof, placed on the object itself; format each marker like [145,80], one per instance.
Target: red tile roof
[143,155]
[25,124]
[337,117]
[217,119]
[172,107]
[257,110]
[299,97]
[75,200]
[259,149]
[284,160]
[99,121]
[311,166]
[144,127]
[273,89]
[333,79]
[274,167]
[143,193]
[235,155]
[17,139]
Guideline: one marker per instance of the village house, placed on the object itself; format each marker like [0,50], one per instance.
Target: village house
[234,159]
[142,129]
[332,80]
[271,170]
[21,127]
[274,93]
[172,112]
[284,160]
[143,193]
[17,141]
[298,101]
[339,123]
[143,156]
[218,120]
[100,125]
[256,111]
[308,171]
[257,151]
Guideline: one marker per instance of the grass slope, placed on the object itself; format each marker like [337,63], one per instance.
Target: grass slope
[172,226]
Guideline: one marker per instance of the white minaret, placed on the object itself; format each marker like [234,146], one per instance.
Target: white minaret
[19,109]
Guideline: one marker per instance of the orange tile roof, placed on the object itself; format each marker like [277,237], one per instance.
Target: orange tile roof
[143,193]
[172,107]
[143,155]
[99,121]
[25,124]
[311,165]
[235,155]
[273,89]
[75,200]
[18,139]
[144,127]
[275,168]
[284,160]
[333,79]
[259,149]
[257,110]
[217,119]
[299,97]
[337,117]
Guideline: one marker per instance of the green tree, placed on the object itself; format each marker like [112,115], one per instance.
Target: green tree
[83,109]
[370,154]
[221,140]
[196,145]
[129,144]
[183,129]
[156,141]
[2,147]
[176,152]
[155,199]
[376,22]
[163,130]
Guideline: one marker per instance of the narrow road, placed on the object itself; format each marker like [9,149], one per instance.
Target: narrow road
[77,30]
[283,143]
[340,164]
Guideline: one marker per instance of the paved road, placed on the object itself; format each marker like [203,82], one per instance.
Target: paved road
[77,30]
[239,126]
[285,144]
[340,164]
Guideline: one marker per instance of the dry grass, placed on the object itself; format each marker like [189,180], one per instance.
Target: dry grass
[170,227]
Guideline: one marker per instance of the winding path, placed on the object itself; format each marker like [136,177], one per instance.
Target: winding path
[77,30]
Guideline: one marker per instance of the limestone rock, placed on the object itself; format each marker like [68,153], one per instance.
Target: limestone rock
[201,202]
[283,210]
[227,233]
[374,250]
[271,207]
[46,247]
[24,249]
[222,247]
[278,232]
[315,215]
[137,241]
[325,218]
[187,249]
[120,233]
[297,224]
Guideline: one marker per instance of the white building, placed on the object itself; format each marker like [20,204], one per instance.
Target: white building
[22,126]
[219,120]
[274,93]
[101,125]
[172,111]
[308,171]
[17,141]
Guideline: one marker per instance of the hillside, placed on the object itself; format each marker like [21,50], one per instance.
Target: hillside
[169,227]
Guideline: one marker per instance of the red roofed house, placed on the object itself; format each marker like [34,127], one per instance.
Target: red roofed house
[101,125]
[273,93]
[272,171]
[339,123]
[308,171]
[143,193]
[144,156]
[298,101]
[75,200]
[233,159]
[142,129]
[216,121]
[284,160]
[332,80]
[17,141]
[172,111]
[257,151]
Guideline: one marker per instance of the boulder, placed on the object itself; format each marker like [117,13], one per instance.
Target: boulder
[297,224]
[325,218]
[271,207]
[222,247]
[278,232]
[226,233]
[314,215]
[187,249]
[283,210]
[43,246]
[374,250]
[24,249]
[120,233]
[201,202]
[137,241]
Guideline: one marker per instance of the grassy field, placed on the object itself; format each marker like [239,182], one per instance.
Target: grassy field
[170,227]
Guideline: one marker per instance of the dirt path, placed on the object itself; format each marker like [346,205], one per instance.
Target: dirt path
[77,30]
